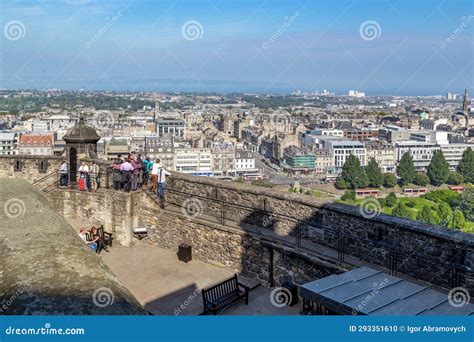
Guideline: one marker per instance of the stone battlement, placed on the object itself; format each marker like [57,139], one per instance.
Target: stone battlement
[268,234]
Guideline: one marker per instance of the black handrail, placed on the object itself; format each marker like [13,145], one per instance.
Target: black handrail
[44,178]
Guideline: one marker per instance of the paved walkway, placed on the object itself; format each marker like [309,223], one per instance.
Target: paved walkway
[166,286]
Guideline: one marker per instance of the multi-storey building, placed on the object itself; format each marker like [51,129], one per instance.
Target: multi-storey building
[453,153]
[421,152]
[342,149]
[384,154]
[162,149]
[8,143]
[36,144]
[223,158]
[298,158]
[324,160]
[195,161]
[173,127]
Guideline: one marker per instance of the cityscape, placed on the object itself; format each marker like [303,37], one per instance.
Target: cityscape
[204,158]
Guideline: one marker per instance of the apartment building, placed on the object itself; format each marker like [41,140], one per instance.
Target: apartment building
[8,143]
[36,144]
[421,152]
[195,161]
[341,149]
[384,154]
[453,153]
[171,126]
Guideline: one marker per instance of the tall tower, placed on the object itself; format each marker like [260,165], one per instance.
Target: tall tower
[465,111]
[157,110]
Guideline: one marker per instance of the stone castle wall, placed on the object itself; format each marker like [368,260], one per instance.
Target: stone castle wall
[265,234]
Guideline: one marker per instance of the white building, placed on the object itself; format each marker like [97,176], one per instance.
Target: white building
[196,161]
[244,160]
[355,93]
[453,153]
[173,127]
[8,143]
[341,149]
[421,152]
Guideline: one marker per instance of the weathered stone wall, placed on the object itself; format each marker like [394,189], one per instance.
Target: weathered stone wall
[117,211]
[441,256]
[263,259]
[30,168]
[437,255]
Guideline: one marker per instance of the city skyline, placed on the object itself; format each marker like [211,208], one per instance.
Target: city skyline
[380,48]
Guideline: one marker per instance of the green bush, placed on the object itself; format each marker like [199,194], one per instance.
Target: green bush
[444,195]
[349,196]
[455,178]
[410,204]
[262,183]
[391,200]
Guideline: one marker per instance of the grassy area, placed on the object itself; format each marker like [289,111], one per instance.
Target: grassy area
[415,204]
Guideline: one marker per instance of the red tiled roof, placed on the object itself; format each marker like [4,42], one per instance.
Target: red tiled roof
[36,140]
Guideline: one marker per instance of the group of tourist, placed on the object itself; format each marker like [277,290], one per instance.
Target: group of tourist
[128,174]
[133,172]
[92,238]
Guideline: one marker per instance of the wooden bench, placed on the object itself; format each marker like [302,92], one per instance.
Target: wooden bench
[224,294]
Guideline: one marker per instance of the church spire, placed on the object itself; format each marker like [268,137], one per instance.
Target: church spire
[464,102]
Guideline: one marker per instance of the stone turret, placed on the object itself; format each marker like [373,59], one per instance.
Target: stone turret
[81,142]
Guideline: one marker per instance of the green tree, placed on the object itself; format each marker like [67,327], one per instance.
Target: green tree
[353,173]
[406,168]
[401,210]
[389,180]
[458,221]
[426,215]
[349,196]
[391,200]
[466,165]
[341,184]
[455,178]
[445,214]
[374,175]
[467,204]
[421,179]
[438,169]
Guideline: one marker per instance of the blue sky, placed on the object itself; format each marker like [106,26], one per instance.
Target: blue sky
[261,46]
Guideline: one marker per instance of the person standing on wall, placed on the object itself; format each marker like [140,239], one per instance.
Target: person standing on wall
[63,174]
[94,175]
[162,173]
[127,169]
[84,177]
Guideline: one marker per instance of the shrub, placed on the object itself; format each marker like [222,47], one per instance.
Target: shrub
[262,183]
[410,204]
[391,200]
[444,195]
[349,196]
[455,178]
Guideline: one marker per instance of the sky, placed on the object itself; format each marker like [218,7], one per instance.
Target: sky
[381,47]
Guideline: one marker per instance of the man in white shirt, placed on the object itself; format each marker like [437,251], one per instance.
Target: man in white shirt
[161,180]
[63,177]
[84,174]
